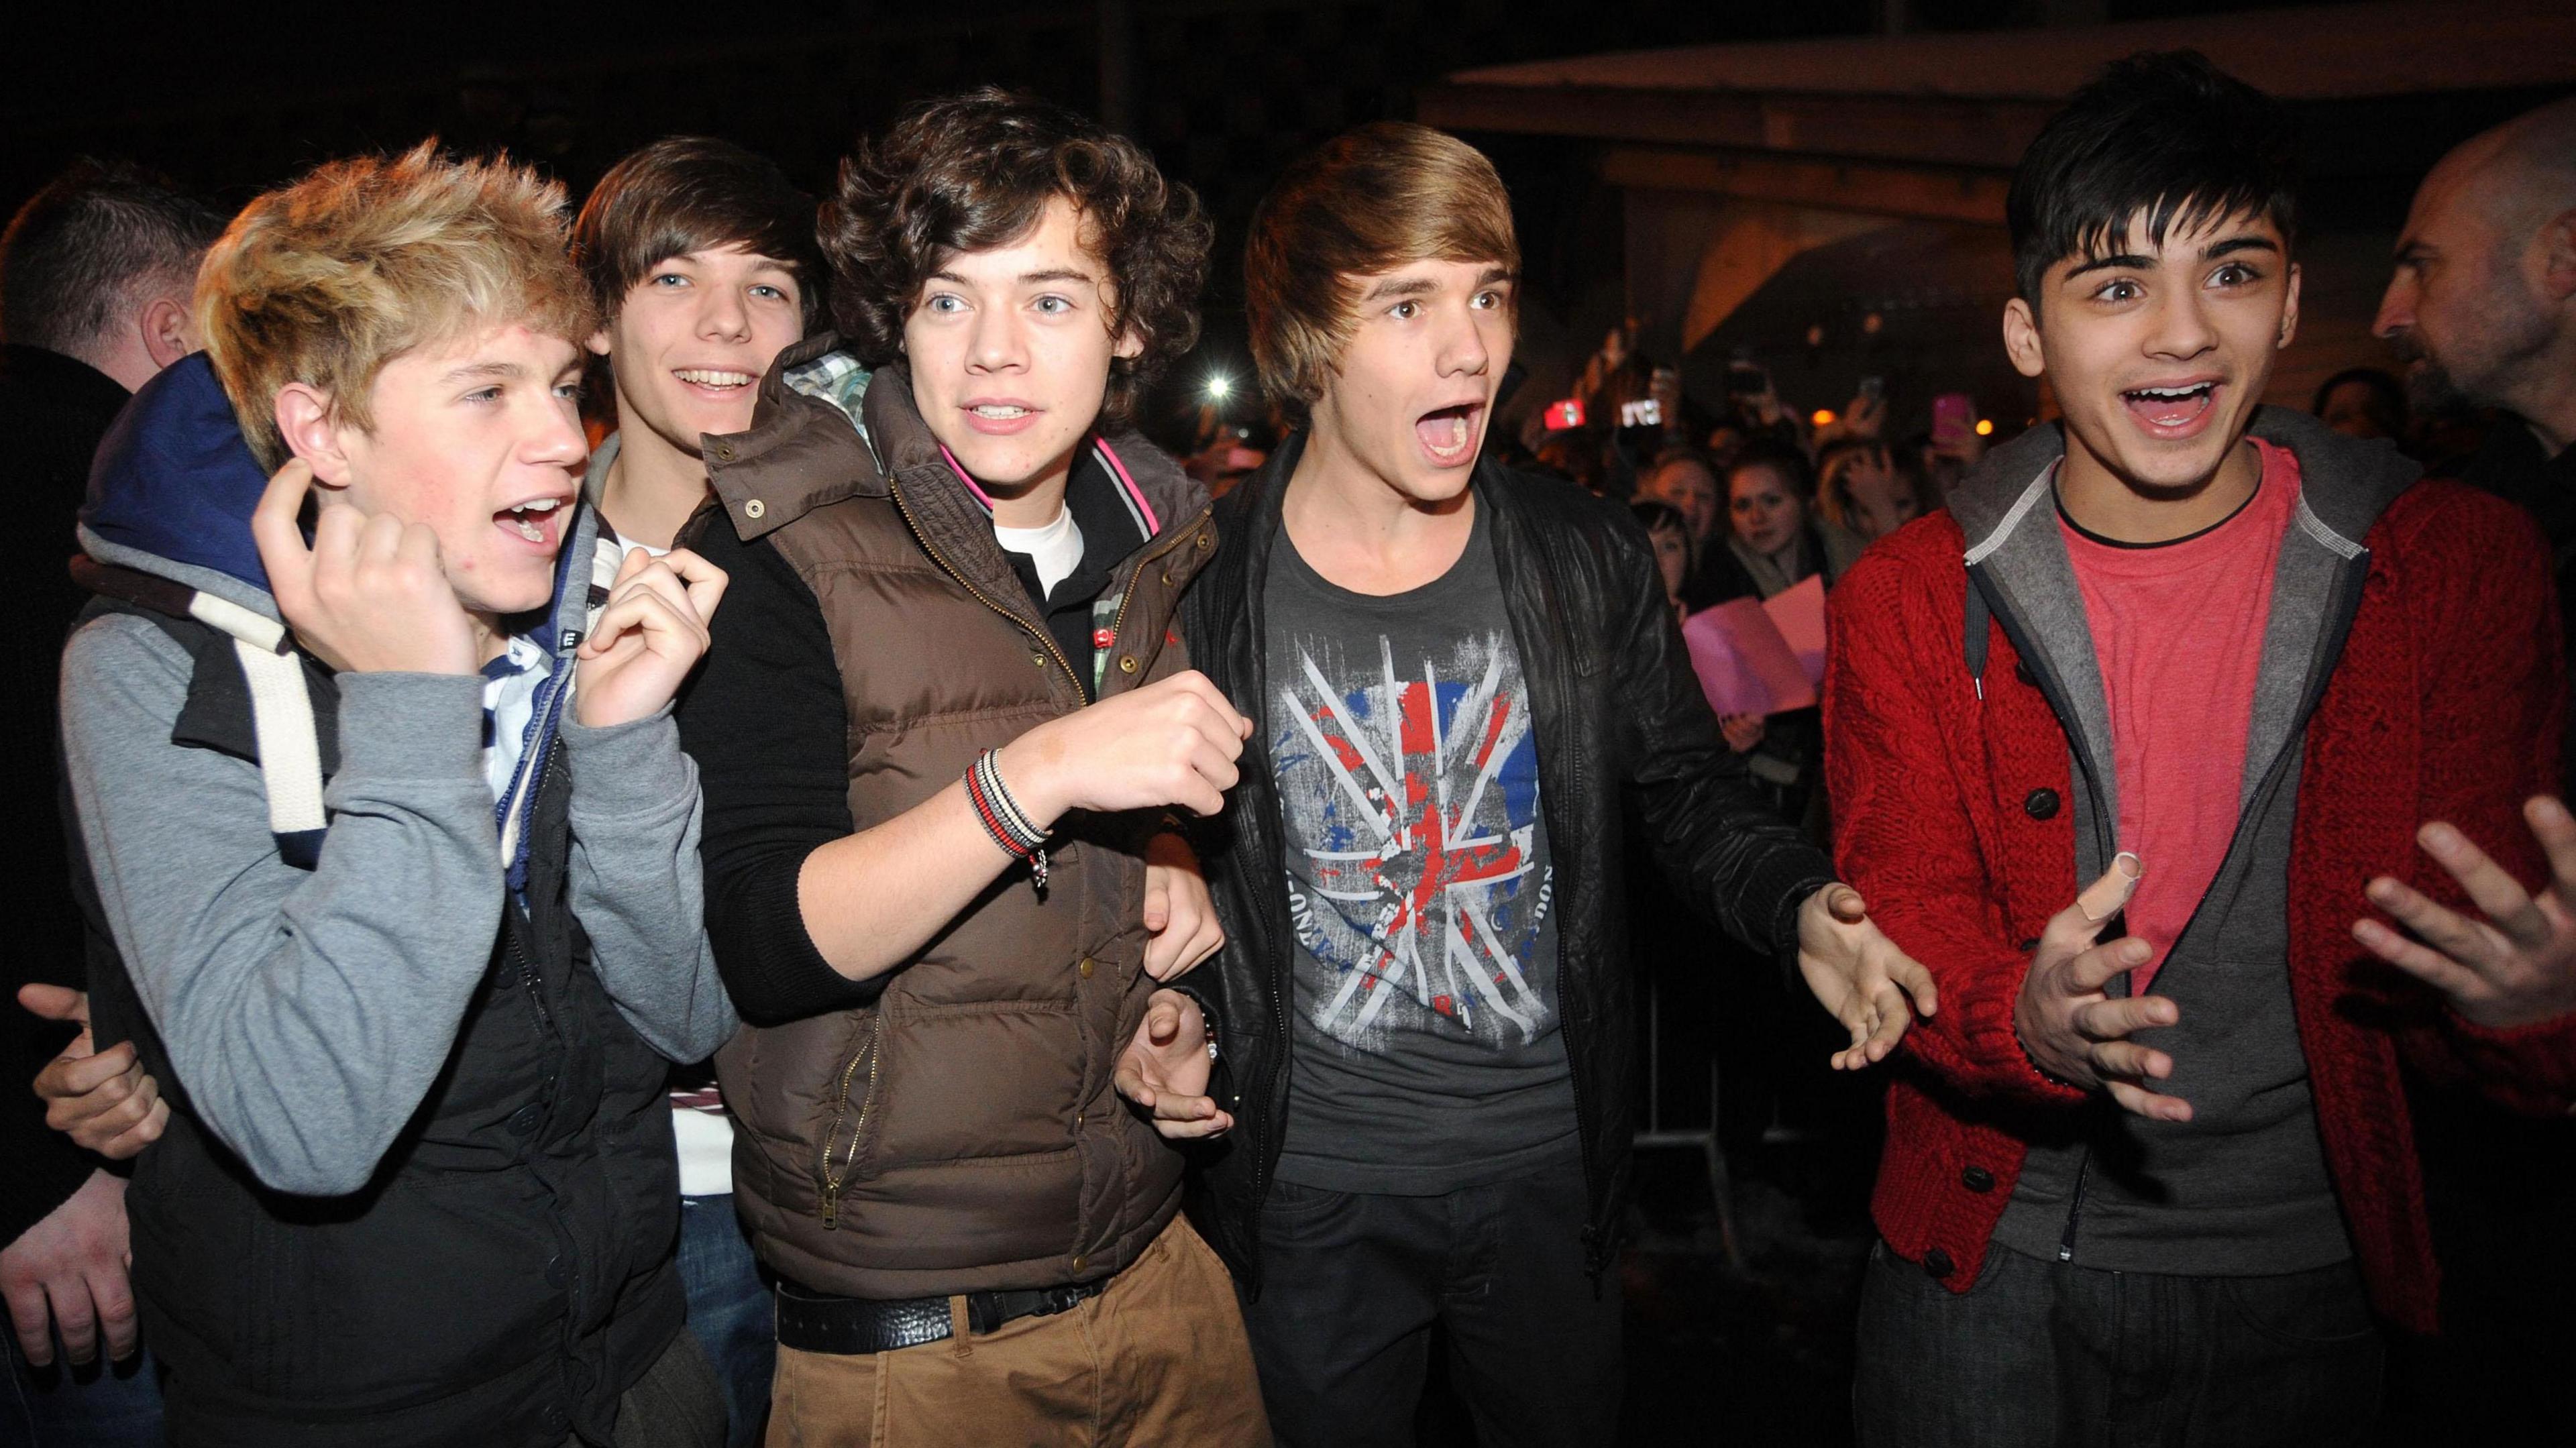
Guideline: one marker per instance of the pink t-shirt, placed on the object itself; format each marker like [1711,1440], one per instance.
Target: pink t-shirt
[2178,631]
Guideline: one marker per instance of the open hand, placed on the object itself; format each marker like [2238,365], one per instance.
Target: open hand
[1180,919]
[2516,966]
[104,1100]
[2069,1023]
[370,595]
[648,638]
[1859,975]
[1165,1069]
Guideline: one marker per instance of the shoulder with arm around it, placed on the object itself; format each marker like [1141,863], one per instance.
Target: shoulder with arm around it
[1917,573]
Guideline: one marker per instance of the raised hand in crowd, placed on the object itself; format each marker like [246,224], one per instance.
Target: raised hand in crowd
[1859,975]
[368,595]
[2072,1027]
[648,638]
[103,1100]
[2516,966]
[1180,919]
[1166,1066]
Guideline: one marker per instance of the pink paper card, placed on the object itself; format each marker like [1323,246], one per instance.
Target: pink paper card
[1743,663]
[1800,614]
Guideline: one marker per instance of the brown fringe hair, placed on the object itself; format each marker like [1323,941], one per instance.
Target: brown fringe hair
[685,194]
[1369,201]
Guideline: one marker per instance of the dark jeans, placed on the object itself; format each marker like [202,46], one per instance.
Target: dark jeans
[729,1312]
[101,1405]
[2045,1354]
[1352,1283]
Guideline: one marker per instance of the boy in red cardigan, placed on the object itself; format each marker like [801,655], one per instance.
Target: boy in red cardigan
[2149,1171]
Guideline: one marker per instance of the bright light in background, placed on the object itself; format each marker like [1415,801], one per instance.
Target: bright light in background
[1985,427]
[1219,387]
[1824,417]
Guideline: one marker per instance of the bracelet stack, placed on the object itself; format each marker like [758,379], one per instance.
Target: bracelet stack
[1004,820]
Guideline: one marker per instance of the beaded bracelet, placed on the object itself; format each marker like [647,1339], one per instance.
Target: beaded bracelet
[1004,820]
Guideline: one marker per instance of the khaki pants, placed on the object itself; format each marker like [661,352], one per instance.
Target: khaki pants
[1159,1358]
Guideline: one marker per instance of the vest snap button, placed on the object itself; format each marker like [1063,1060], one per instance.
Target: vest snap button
[1078,1261]
[1077,1121]
[1085,967]
[1127,663]
[1038,659]
[1206,540]
[754,508]
[724,452]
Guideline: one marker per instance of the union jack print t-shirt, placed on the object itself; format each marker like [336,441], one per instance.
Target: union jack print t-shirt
[1428,1055]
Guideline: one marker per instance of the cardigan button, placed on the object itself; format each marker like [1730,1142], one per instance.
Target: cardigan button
[2040,804]
[1977,1179]
[2023,671]
[1938,1263]
[2030,944]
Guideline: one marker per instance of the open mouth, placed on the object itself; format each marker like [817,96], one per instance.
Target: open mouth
[533,520]
[999,416]
[2173,411]
[714,378]
[1448,434]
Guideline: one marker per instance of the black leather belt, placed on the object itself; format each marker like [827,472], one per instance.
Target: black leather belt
[812,1322]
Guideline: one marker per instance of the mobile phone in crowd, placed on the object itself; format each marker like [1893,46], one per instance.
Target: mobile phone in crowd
[1954,417]
[1562,416]
[1647,412]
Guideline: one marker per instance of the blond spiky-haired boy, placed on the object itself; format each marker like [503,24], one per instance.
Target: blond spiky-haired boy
[389,824]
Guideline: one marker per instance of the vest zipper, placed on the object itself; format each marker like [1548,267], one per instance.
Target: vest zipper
[1127,596]
[828,1179]
[979,595]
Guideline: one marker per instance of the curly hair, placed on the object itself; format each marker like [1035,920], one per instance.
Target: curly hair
[332,276]
[975,171]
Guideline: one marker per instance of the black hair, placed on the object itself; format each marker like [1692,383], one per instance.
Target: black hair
[1655,515]
[2387,396]
[76,252]
[1790,463]
[2167,137]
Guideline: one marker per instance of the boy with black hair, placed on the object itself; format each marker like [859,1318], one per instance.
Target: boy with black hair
[701,258]
[1465,674]
[2219,661]
[941,735]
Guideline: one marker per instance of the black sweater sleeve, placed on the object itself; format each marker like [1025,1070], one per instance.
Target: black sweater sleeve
[765,721]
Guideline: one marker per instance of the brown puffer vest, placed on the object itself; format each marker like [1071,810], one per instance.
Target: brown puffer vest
[962,1134]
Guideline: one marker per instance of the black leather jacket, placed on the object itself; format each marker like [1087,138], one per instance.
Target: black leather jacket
[1619,717]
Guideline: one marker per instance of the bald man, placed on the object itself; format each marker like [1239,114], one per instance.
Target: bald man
[2483,309]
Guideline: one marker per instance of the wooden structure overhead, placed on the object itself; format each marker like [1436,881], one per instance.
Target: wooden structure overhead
[1929,126]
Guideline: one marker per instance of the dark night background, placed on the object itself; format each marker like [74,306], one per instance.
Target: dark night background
[233,99]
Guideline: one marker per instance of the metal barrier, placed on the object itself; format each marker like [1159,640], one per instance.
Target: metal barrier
[1656,1133]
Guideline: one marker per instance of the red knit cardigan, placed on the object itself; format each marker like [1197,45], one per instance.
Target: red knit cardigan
[2445,704]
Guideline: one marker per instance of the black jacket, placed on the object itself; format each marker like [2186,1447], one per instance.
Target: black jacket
[515,1245]
[1619,718]
[53,410]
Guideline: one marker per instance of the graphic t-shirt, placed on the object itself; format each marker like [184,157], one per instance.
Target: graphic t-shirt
[1425,1018]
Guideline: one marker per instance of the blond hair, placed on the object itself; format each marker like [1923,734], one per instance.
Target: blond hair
[327,279]
[1386,195]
